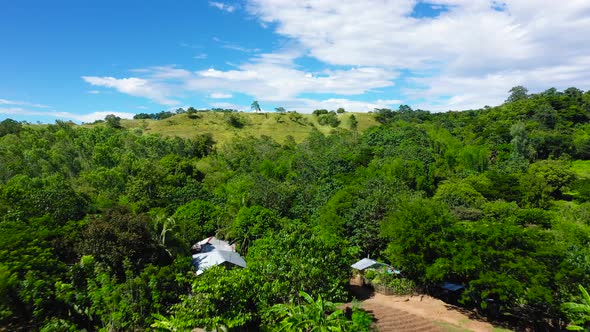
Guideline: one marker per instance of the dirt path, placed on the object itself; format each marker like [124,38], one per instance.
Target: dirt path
[417,313]
[427,308]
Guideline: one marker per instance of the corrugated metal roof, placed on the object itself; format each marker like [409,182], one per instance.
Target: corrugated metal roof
[364,264]
[216,252]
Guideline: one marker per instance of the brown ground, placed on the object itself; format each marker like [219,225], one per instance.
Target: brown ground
[417,313]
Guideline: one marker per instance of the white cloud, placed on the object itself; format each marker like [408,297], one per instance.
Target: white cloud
[309,105]
[222,6]
[234,46]
[220,95]
[469,42]
[274,77]
[268,77]
[200,56]
[468,56]
[94,92]
[21,103]
[90,117]
[136,87]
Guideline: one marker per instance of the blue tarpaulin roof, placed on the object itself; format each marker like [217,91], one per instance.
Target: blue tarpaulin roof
[451,286]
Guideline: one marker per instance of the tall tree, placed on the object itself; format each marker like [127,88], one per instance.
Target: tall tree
[255,106]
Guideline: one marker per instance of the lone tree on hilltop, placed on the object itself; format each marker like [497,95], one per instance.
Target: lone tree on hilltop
[255,106]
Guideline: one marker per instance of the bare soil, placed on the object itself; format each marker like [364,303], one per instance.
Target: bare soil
[417,313]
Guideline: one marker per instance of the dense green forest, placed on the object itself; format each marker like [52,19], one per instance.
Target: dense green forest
[97,221]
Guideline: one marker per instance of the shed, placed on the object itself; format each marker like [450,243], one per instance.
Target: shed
[367,263]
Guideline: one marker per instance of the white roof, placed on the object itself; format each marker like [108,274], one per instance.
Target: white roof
[206,260]
[213,243]
[364,264]
[216,252]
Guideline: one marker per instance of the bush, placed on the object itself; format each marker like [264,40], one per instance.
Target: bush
[235,120]
[330,119]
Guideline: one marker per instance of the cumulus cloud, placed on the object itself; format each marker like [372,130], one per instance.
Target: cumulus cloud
[89,117]
[467,55]
[471,42]
[136,87]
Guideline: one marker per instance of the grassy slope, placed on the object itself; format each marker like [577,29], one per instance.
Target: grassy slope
[274,125]
[581,168]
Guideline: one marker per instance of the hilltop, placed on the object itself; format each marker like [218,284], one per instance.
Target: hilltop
[224,126]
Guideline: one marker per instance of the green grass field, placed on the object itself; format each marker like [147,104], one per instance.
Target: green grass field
[278,126]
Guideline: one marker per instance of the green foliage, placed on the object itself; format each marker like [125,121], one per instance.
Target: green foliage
[220,299]
[97,220]
[418,232]
[113,121]
[118,238]
[517,93]
[253,223]
[296,259]
[234,120]
[195,221]
[353,122]
[556,173]
[315,315]
[460,197]
[329,119]
[10,126]
[390,282]
[579,313]
[255,106]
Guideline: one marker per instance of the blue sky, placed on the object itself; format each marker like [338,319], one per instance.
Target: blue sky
[81,60]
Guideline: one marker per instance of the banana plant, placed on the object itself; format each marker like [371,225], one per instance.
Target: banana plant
[579,311]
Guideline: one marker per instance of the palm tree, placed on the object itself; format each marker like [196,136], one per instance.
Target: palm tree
[580,312]
[255,106]
[312,316]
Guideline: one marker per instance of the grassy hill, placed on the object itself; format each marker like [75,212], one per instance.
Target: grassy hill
[225,126]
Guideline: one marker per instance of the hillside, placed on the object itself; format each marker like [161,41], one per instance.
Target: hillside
[277,126]
[99,220]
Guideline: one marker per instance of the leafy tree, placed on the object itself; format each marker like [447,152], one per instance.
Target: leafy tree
[417,231]
[556,173]
[319,112]
[113,121]
[195,221]
[280,109]
[462,198]
[353,122]
[10,126]
[579,312]
[296,259]
[117,237]
[235,120]
[252,223]
[314,315]
[517,93]
[221,299]
[330,119]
